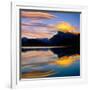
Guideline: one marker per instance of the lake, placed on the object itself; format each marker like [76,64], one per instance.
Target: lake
[49,62]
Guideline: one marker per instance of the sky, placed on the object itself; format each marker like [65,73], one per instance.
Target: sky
[46,24]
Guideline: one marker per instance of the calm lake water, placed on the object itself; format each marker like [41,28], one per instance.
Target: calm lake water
[49,62]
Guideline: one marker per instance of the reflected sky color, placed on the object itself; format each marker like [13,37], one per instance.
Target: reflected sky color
[66,61]
[37,57]
[44,63]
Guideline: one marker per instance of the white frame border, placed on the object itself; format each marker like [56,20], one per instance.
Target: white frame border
[15,82]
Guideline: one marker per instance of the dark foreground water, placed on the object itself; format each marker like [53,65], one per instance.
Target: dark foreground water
[49,62]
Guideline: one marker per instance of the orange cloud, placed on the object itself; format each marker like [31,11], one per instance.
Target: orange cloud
[37,15]
[65,27]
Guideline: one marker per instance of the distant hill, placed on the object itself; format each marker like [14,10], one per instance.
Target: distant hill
[35,42]
[60,39]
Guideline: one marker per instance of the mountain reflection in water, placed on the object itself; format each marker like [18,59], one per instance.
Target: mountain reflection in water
[50,62]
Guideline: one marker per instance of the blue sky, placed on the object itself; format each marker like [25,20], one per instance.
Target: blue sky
[72,18]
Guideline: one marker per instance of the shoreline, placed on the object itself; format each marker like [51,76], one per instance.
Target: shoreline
[28,47]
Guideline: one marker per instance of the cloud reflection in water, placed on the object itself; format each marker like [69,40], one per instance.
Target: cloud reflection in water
[45,63]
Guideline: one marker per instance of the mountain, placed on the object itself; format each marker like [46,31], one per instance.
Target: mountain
[66,39]
[60,39]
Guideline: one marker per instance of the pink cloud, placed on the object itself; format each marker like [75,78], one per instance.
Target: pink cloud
[39,15]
